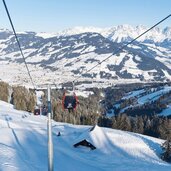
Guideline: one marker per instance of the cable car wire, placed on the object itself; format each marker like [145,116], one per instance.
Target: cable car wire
[99,63]
[9,17]
[121,48]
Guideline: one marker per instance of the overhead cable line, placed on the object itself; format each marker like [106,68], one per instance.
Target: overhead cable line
[124,46]
[9,17]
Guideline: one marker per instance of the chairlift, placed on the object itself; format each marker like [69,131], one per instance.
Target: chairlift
[69,101]
[44,110]
[37,111]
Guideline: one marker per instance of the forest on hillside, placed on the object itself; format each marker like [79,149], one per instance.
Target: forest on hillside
[92,110]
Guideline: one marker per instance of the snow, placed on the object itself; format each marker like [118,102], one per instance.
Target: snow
[6,105]
[144,96]
[83,93]
[167,74]
[133,94]
[14,72]
[118,33]
[166,112]
[46,35]
[23,146]
[39,95]
[153,96]
[2,45]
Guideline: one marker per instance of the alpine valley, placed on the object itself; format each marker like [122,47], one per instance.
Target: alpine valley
[67,55]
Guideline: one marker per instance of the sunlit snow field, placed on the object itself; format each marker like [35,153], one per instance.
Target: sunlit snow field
[23,146]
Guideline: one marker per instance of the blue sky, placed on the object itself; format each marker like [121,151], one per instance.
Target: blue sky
[55,15]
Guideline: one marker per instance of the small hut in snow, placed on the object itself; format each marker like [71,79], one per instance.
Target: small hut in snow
[90,138]
[86,144]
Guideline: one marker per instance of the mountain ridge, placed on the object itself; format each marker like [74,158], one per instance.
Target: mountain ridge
[125,29]
[69,56]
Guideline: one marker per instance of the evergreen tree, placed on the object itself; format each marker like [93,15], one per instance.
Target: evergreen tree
[138,125]
[164,128]
[166,155]
[123,122]
[4,92]
[23,99]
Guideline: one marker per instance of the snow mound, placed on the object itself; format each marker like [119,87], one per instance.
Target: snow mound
[6,105]
[95,136]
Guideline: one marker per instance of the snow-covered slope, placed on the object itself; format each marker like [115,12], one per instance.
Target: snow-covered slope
[144,98]
[23,146]
[64,56]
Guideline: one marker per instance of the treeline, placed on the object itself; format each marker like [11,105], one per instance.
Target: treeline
[114,100]
[155,126]
[88,109]
[4,91]
[21,97]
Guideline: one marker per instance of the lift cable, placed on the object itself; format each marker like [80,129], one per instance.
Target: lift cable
[9,17]
[121,48]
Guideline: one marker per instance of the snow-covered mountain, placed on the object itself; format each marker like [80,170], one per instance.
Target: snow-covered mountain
[64,56]
[23,146]
[118,33]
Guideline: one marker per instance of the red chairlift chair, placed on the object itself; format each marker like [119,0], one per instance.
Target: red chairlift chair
[69,101]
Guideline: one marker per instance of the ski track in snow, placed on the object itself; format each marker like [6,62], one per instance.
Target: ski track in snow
[23,146]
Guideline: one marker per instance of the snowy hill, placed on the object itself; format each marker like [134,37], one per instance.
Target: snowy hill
[63,56]
[23,146]
[146,100]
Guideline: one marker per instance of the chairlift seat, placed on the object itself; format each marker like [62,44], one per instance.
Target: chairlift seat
[69,101]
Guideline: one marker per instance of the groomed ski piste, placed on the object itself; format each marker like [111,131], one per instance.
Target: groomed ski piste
[142,97]
[23,146]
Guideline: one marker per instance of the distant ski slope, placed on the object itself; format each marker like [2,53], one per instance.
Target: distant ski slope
[142,97]
[23,146]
